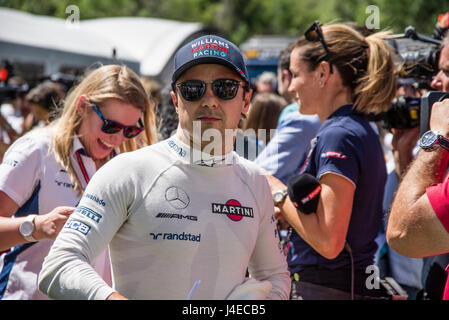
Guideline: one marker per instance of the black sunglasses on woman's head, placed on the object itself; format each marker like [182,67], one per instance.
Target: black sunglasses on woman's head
[314,34]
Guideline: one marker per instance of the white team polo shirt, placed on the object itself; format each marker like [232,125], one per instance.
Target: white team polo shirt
[30,175]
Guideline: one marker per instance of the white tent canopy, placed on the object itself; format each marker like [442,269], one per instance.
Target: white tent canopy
[151,41]
[145,44]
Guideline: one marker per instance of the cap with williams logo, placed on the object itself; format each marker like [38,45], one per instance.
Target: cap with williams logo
[209,49]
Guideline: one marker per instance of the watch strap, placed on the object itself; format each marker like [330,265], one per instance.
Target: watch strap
[30,239]
[443,142]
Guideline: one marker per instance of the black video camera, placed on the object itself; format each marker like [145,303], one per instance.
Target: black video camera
[404,114]
[421,65]
[408,112]
[418,55]
[427,102]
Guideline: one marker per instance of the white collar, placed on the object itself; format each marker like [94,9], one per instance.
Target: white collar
[77,145]
[197,157]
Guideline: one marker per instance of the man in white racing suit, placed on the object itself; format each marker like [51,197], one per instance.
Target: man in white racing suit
[184,218]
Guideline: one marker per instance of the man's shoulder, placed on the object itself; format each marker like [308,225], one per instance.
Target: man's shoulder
[293,107]
[248,166]
[254,178]
[149,157]
[297,118]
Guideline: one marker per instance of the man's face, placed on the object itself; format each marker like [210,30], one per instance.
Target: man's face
[210,112]
[284,79]
[441,81]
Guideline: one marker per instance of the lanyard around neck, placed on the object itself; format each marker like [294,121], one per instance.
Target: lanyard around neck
[82,167]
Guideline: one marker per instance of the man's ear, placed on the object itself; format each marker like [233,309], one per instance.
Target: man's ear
[81,103]
[174,99]
[247,101]
[286,77]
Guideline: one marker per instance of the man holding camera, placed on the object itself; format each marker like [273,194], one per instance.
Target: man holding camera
[418,225]
[441,81]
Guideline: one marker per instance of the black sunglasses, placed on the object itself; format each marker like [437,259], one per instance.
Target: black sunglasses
[193,90]
[111,126]
[313,34]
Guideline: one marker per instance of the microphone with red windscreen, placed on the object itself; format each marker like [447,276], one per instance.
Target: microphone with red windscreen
[304,191]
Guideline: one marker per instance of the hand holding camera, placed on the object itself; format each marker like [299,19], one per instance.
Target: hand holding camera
[439,117]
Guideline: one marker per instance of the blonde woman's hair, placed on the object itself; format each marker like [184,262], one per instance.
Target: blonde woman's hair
[365,64]
[106,82]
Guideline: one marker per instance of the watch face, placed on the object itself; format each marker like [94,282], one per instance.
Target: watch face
[27,228]
[428,139]
[278,197]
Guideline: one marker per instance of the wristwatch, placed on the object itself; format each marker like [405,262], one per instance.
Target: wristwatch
[431,139]
[27,227]
[279,196]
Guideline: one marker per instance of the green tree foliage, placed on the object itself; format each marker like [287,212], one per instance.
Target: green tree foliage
[241,19]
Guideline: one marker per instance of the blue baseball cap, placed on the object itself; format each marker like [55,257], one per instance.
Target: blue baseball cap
[207,50]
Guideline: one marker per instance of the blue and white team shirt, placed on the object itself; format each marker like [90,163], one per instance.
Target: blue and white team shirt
[347,145]
[30,175]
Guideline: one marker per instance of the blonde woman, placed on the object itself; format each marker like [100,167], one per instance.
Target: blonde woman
[340,75]
[44,173]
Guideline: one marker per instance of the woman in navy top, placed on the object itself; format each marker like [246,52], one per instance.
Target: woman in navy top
[340,75]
